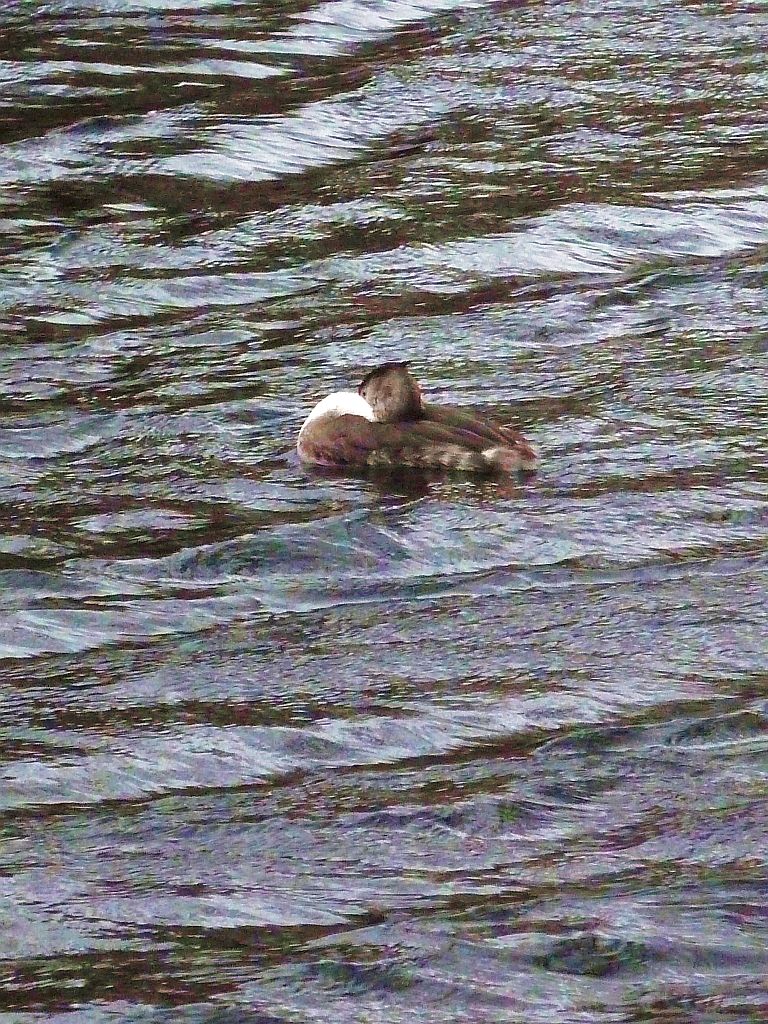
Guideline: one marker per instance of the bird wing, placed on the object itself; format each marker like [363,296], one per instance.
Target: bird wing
[473,423]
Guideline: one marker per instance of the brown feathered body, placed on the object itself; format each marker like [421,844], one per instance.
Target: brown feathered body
[387,423]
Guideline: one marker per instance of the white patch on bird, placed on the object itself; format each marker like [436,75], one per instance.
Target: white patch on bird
[341,403]
[506,459]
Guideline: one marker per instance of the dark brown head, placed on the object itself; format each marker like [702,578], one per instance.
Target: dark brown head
[392,393]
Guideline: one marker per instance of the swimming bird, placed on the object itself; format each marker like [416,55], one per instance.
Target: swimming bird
[386,422]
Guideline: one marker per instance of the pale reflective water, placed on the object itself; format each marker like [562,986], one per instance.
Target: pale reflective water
[281,747]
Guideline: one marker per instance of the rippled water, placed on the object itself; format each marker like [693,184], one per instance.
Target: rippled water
[281,747]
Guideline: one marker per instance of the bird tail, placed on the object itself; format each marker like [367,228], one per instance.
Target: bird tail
[521,457]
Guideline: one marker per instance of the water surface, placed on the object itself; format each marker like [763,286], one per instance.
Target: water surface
[285,747]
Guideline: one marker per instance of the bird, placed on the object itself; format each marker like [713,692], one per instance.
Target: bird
[387,423]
